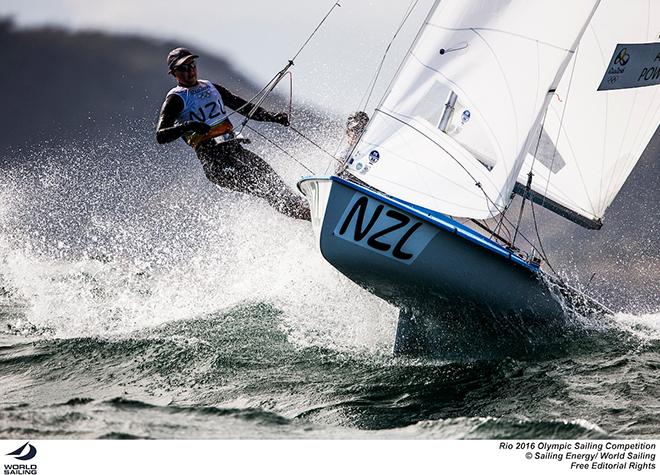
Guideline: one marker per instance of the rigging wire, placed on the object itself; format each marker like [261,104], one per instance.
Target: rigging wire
[336,4]
[280,148]
[500,223]
[268,88]
[372,84]
[561,123]
[258,99]
[530,176]
[528,190]
[274,82]
[538,237]
[280,75]
[258,94]
[301,134]
[529,193]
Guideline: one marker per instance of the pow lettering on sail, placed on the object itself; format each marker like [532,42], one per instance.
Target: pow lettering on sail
[632,65]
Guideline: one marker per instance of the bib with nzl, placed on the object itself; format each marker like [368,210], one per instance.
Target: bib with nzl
[202,103]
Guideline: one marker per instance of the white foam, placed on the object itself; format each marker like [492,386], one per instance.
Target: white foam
[644,326]
[183,253]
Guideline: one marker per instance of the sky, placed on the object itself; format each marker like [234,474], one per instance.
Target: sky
[259,36]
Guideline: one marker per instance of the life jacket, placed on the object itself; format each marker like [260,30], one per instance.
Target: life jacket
[203,103]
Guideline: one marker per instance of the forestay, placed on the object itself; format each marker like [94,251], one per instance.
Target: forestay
[599,136]
[492,62]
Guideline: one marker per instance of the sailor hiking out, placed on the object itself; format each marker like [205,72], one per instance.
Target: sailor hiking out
[196,110]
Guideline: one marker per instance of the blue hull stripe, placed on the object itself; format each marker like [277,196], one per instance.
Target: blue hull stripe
[441,221]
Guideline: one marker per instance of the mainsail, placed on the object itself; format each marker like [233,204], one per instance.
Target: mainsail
[593,138]
[454,128]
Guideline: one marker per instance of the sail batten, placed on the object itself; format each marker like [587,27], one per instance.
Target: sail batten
[529,38]
[499,58]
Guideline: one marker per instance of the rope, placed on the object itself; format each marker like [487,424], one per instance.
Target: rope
[531,244]
[529,192]
[280,148]
[500,224]
[530,176]
[266,91]
[248,103]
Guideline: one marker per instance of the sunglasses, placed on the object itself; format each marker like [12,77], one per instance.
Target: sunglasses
[184,68]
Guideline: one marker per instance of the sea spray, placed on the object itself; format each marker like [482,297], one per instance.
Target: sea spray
[94,249]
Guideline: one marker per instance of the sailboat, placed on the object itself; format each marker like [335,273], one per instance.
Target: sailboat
[554,103]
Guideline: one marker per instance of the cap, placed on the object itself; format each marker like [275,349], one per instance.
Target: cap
[178,56]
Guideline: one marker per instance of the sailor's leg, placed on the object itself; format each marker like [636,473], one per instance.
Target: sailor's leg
[261,180]
[220,166]
[233,167]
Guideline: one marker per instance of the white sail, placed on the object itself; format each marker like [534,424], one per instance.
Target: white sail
[599,135]
[493,61]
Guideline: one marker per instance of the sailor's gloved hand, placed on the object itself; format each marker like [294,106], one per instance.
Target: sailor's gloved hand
[197,127]
[281,118]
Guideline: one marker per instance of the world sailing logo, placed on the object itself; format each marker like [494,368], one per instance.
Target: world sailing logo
[25,452]
[32,451]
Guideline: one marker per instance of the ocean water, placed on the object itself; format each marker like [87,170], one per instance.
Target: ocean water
[139,301]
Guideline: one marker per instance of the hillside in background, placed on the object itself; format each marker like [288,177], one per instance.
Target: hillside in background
[64,87]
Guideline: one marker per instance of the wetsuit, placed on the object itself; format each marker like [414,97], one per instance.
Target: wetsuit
[226,164]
